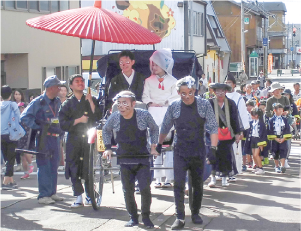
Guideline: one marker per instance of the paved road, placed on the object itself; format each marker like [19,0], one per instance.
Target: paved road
[270,202]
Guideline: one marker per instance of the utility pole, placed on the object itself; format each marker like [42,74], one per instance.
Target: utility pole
[265,47]
[186,25]
[243,48]
[292,47]
[191,21]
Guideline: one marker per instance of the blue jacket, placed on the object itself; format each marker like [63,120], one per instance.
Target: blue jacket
[285,130]
[262,132]
[6,107]
[38,112]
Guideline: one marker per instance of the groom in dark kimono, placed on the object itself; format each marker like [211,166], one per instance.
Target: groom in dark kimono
[128,79]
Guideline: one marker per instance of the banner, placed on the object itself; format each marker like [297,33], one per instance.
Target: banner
[270,63]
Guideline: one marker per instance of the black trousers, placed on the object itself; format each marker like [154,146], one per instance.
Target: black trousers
[77,146]
[196,167]
[8,150]
[142,173]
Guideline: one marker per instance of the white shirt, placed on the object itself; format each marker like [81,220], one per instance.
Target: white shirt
[296,97]
[129,79]
[242,109]
[278,124]
[255,128]
[152,92]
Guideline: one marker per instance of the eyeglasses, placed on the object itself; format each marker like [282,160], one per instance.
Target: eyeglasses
[184,94]
[122,104]
[220,92]
[127,62]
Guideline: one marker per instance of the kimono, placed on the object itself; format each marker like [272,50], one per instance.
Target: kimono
[162,93]
[225,164]
[77,140]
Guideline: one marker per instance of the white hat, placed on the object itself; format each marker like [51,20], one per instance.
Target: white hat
[163,58]
[275,86]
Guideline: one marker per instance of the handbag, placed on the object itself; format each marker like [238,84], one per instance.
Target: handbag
[16,131]
[224,133]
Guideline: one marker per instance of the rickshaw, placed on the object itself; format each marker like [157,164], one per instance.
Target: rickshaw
[186,63]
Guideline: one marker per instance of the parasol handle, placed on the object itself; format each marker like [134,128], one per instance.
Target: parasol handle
[91,67]
[97,3]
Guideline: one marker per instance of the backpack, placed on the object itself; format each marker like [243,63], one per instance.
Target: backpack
[16,131]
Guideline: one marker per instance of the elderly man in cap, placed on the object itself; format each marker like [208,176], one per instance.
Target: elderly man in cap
[276,98]
[255,91]
[42,114]
[243,119]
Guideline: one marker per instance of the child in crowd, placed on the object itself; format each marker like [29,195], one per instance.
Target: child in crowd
[265,152]
[256,138]
[279,133]
[25,143]
[246,158]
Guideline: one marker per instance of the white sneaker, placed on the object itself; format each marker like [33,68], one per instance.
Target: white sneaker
[259,172]
[61,168]
[46,200]
[255,170]
[224,182]
[56,198]
[286,165]
[212,183]
[76,205]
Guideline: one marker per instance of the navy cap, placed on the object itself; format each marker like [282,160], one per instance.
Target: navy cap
[287,91]
[51,81]
[220,86]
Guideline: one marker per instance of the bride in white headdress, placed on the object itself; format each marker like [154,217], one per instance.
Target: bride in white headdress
[159,91]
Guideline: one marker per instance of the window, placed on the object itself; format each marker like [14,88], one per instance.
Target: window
[9,4]
[22,4]
[197,23]
[54,6]
[44,6]
[215,27]
[64,5]
[34,5]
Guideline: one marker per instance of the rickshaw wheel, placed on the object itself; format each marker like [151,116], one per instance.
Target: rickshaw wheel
[95,177]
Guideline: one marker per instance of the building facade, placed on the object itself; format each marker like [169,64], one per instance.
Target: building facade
[229,15]
[276,31]
[29,55]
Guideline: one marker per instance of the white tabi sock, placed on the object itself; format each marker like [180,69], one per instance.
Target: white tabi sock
[79,199]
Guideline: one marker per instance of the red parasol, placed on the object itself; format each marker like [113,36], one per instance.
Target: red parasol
[97,24]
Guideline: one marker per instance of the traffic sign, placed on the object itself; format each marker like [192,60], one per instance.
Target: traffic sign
[247,20]
[265,41]
[292,48]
